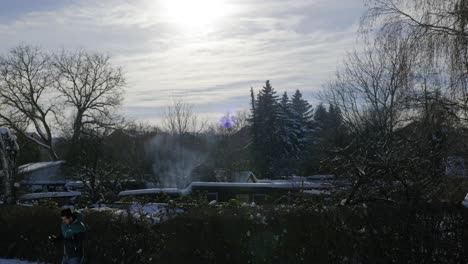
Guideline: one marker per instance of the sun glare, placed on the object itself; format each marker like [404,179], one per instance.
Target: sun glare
[194,13]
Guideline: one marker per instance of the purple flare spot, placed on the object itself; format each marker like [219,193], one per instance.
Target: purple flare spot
[228,120]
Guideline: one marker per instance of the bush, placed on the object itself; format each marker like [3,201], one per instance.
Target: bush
[240,233]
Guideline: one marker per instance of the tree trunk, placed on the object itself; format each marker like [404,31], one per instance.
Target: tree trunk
[53,155]
[7,188]
[8,153]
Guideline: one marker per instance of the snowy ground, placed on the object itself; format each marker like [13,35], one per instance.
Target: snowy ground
[15,261]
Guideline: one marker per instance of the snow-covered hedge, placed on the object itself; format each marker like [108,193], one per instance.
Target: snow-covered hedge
[247,233]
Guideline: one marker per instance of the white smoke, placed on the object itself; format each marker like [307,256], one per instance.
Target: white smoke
[174,161]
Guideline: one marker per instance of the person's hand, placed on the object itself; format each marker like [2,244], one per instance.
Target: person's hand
[53,238]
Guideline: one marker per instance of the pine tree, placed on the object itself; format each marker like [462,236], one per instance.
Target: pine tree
[329,132]
[273,139]
[335,120]
[253,120]
[302,113]
[302,109]
[265,110]
[290,136]
[281,132]
[320,117]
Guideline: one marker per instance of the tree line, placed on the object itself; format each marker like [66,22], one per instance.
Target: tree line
[403,99]
[391,119]
[287,134]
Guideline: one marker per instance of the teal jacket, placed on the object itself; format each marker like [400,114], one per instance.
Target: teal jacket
[73,236]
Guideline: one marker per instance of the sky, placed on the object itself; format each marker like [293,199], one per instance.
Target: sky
[205,52]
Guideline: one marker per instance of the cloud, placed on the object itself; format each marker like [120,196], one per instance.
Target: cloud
[294,43]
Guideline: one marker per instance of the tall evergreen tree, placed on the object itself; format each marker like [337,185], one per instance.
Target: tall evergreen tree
[302,113]
[302,109]
[290,136]
[329,132]
[274,132]
[265,111]
[320,117]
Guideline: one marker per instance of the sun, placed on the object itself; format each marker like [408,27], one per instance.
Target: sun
[194,13]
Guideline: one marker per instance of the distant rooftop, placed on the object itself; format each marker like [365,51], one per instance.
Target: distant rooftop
[38,165]
[33,196]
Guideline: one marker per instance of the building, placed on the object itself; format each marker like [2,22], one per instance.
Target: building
[222,175]
[43,176]
[61,198]
[247,191]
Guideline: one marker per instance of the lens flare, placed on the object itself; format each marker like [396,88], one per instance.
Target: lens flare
[228,120]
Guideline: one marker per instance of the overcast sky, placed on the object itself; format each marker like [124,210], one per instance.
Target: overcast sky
[206,52]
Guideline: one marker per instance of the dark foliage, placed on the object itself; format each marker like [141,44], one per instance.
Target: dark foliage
[238,234]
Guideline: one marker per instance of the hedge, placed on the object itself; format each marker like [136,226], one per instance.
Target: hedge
[243,234]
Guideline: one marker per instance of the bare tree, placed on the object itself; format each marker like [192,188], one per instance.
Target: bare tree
[374,85]
[175,153]
[441,28]
[401,97]
[91,86]
[439,18]
[374,92]
[26,97]
[179,119]
[99,175]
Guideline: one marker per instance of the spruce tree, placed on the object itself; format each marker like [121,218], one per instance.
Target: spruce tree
[290,136]
[329,132]
[302,109]
[302,113]
[320,117]
[273,132]
[265,109]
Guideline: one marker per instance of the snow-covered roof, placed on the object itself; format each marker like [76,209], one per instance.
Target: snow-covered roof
[226,185]
[326,177]
[243,176]
[237,176]
[32,196]
[44,182]
[273,185]
[150,191]
[38,166]
[320,177]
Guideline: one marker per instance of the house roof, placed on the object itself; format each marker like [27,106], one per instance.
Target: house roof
[238,176]
[44,182]
[239,186]
[33,196]
[243,176]
[30,167]
[151,191]
[42,172]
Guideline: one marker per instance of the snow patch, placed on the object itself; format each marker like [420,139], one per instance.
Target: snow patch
[465,202]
